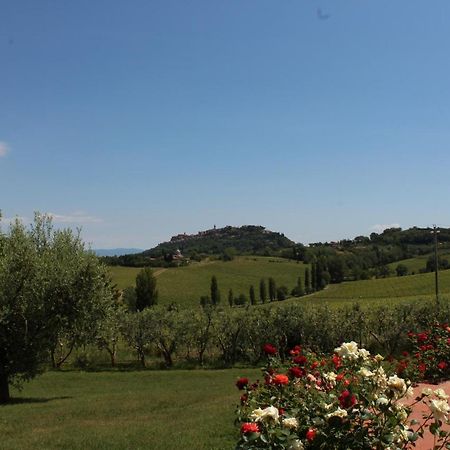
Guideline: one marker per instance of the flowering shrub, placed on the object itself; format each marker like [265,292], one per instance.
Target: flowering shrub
[346,401]
[429,359]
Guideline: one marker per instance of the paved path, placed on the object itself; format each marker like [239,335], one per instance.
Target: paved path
[427,442]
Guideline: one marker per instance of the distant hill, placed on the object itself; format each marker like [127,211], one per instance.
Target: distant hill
[245,240]
[363,257]
[223,242]
[116,251]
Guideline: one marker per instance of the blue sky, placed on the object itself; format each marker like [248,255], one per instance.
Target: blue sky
[139,120]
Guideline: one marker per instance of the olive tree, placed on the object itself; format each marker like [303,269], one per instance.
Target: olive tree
[51,290]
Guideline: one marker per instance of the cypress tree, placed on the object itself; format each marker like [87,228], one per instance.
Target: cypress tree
[252,295]
[230,298]
[215,293]
[319,276]
[307,282]
[300,290]
[272,289]
[313,277]
[262,291]
[146,293]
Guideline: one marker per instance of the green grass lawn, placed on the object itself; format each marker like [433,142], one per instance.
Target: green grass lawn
[158,410]
[185,285]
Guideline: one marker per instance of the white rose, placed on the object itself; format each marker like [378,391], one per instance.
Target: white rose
[348,350]
[366,372]
[440,394]
[397,384]
[291,423]
[402,414]
[269,413]
[440,409]
[338,413]
[427,392]
[379,358]
[382,401]
[409,392]
[380,377]
[363,353]
[330,377]
[296,445]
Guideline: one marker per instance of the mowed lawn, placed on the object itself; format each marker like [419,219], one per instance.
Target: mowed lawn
[185,285]
[158,410]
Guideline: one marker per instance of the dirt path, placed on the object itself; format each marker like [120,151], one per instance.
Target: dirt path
[159,272]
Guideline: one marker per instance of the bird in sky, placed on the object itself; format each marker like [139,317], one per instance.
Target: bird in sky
[321,15]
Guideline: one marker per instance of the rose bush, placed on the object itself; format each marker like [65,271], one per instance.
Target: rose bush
[430,356]
[346,401]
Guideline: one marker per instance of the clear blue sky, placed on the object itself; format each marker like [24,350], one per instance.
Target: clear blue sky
[137,120]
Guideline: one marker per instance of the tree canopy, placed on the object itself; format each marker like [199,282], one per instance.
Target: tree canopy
[52,289]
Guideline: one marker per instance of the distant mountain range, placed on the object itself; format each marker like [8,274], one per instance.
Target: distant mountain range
[116,251]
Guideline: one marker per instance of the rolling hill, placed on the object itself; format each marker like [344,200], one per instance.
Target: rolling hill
[185,285]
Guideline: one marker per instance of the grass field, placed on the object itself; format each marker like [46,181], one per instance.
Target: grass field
[413,264]
[156,410]
[412,287]
[185,285]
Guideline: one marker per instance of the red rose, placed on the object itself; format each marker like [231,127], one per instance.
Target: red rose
[280,380]
[280,411]
[269,349]
[244,399]
[337,361]
[422,367]
[249,427]
[311,434]
[422,337]
[405,354]
[296,372]
[296,350]
[402,365]
[346,399]
[340,376]
[314,365]
[241,383]
[300,360]
[442,365]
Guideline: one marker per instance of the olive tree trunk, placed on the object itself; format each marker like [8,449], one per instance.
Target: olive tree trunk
[4,388]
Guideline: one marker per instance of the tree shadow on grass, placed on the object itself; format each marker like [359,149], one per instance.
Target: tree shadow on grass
[26,400]
[107,368]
